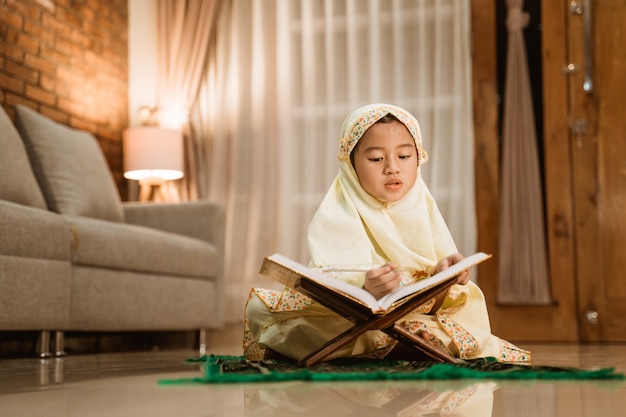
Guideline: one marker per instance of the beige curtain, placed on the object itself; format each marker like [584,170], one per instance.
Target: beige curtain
[280,79]
[234,122]
[522,259]
[186,29]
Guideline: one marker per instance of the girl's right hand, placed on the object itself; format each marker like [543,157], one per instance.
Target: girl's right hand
[381,281]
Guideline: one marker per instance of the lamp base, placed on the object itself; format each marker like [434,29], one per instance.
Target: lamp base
[155,190]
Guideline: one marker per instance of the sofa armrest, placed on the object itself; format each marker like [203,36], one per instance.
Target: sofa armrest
[201,219]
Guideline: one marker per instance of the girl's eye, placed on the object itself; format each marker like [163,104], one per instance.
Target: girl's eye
[405,156]
[375,159]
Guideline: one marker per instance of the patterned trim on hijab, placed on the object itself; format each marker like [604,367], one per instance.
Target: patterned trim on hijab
[354,128]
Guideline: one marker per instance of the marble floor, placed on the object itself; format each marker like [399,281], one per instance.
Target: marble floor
[125,384]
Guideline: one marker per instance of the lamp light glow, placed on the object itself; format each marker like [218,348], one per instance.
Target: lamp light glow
[153,153]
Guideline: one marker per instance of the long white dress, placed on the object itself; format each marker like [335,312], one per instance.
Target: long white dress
[353,228]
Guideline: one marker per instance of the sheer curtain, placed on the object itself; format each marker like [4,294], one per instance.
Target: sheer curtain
[279,82]
[185,34]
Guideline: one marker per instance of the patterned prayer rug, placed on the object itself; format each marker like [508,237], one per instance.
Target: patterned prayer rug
[229,369]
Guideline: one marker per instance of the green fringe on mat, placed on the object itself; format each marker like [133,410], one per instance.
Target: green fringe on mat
[235,369]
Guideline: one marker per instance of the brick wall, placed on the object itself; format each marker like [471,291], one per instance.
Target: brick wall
[68,59]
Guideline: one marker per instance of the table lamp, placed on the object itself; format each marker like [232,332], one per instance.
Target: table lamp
[152,156]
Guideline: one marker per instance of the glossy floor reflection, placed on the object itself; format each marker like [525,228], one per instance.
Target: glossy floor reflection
[126,384]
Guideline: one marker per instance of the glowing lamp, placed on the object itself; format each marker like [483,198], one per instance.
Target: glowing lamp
[153,155]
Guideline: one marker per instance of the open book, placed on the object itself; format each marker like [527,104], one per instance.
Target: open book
[320,286]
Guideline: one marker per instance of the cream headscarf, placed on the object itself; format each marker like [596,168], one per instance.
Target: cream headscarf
[352,227]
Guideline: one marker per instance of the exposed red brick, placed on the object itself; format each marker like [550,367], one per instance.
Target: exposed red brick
[11,51]
[54,56]
[10,18]
[28,44]
[51,23]
[9,34]
[71,18]
[49,83]
[12,100]
[54,114]
[40,64]
[25,10]
[48,5]
[107,133]
[68,60]
[12,84]
[97,6]
[79,38]
[35,30]
[20,71]
[71,106]
[40,95]
[89,14]
[66,47]
[82,124]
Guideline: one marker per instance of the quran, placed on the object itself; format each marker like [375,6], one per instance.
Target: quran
[298,276]
[363,309]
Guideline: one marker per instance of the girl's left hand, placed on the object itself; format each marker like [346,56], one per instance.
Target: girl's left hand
[462,278]
[448,261]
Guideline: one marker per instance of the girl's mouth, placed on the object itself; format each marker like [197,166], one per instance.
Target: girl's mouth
[393,184]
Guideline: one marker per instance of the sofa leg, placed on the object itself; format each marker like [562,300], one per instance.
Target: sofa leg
[44,344]
[202,341]
[59,343]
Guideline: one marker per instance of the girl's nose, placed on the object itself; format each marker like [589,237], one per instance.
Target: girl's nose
[391,168]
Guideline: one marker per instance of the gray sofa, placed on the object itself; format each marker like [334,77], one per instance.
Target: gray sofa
[74,257]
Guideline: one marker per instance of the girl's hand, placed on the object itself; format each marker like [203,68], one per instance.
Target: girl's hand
[462,278]
[381,281]
[447,262]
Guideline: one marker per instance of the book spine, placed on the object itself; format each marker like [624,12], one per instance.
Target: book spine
[280,274]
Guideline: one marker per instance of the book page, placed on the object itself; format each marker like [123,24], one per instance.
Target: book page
[290,270]
[302,271]
[452,271]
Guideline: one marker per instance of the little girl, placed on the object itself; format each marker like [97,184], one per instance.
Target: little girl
[378,215]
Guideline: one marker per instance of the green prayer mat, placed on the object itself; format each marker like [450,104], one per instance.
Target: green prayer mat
[229,369]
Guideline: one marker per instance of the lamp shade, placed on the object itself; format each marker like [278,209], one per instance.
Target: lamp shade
[153,152]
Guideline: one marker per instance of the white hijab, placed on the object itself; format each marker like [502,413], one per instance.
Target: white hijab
[352,228]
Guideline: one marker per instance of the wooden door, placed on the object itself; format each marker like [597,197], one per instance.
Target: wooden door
[584,172]
[599,167]
[556,321]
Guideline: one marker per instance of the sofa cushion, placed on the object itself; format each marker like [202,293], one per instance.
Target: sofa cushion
[22,232]
[105,244]
[70,167]
[17,181]
[105,300]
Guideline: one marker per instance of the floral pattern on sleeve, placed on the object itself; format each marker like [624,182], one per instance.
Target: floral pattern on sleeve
[511,353]
[286,300]
[464,341]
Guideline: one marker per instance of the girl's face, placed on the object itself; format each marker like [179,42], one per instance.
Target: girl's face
[385,160]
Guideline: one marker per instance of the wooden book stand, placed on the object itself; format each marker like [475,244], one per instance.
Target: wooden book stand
[364,322]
